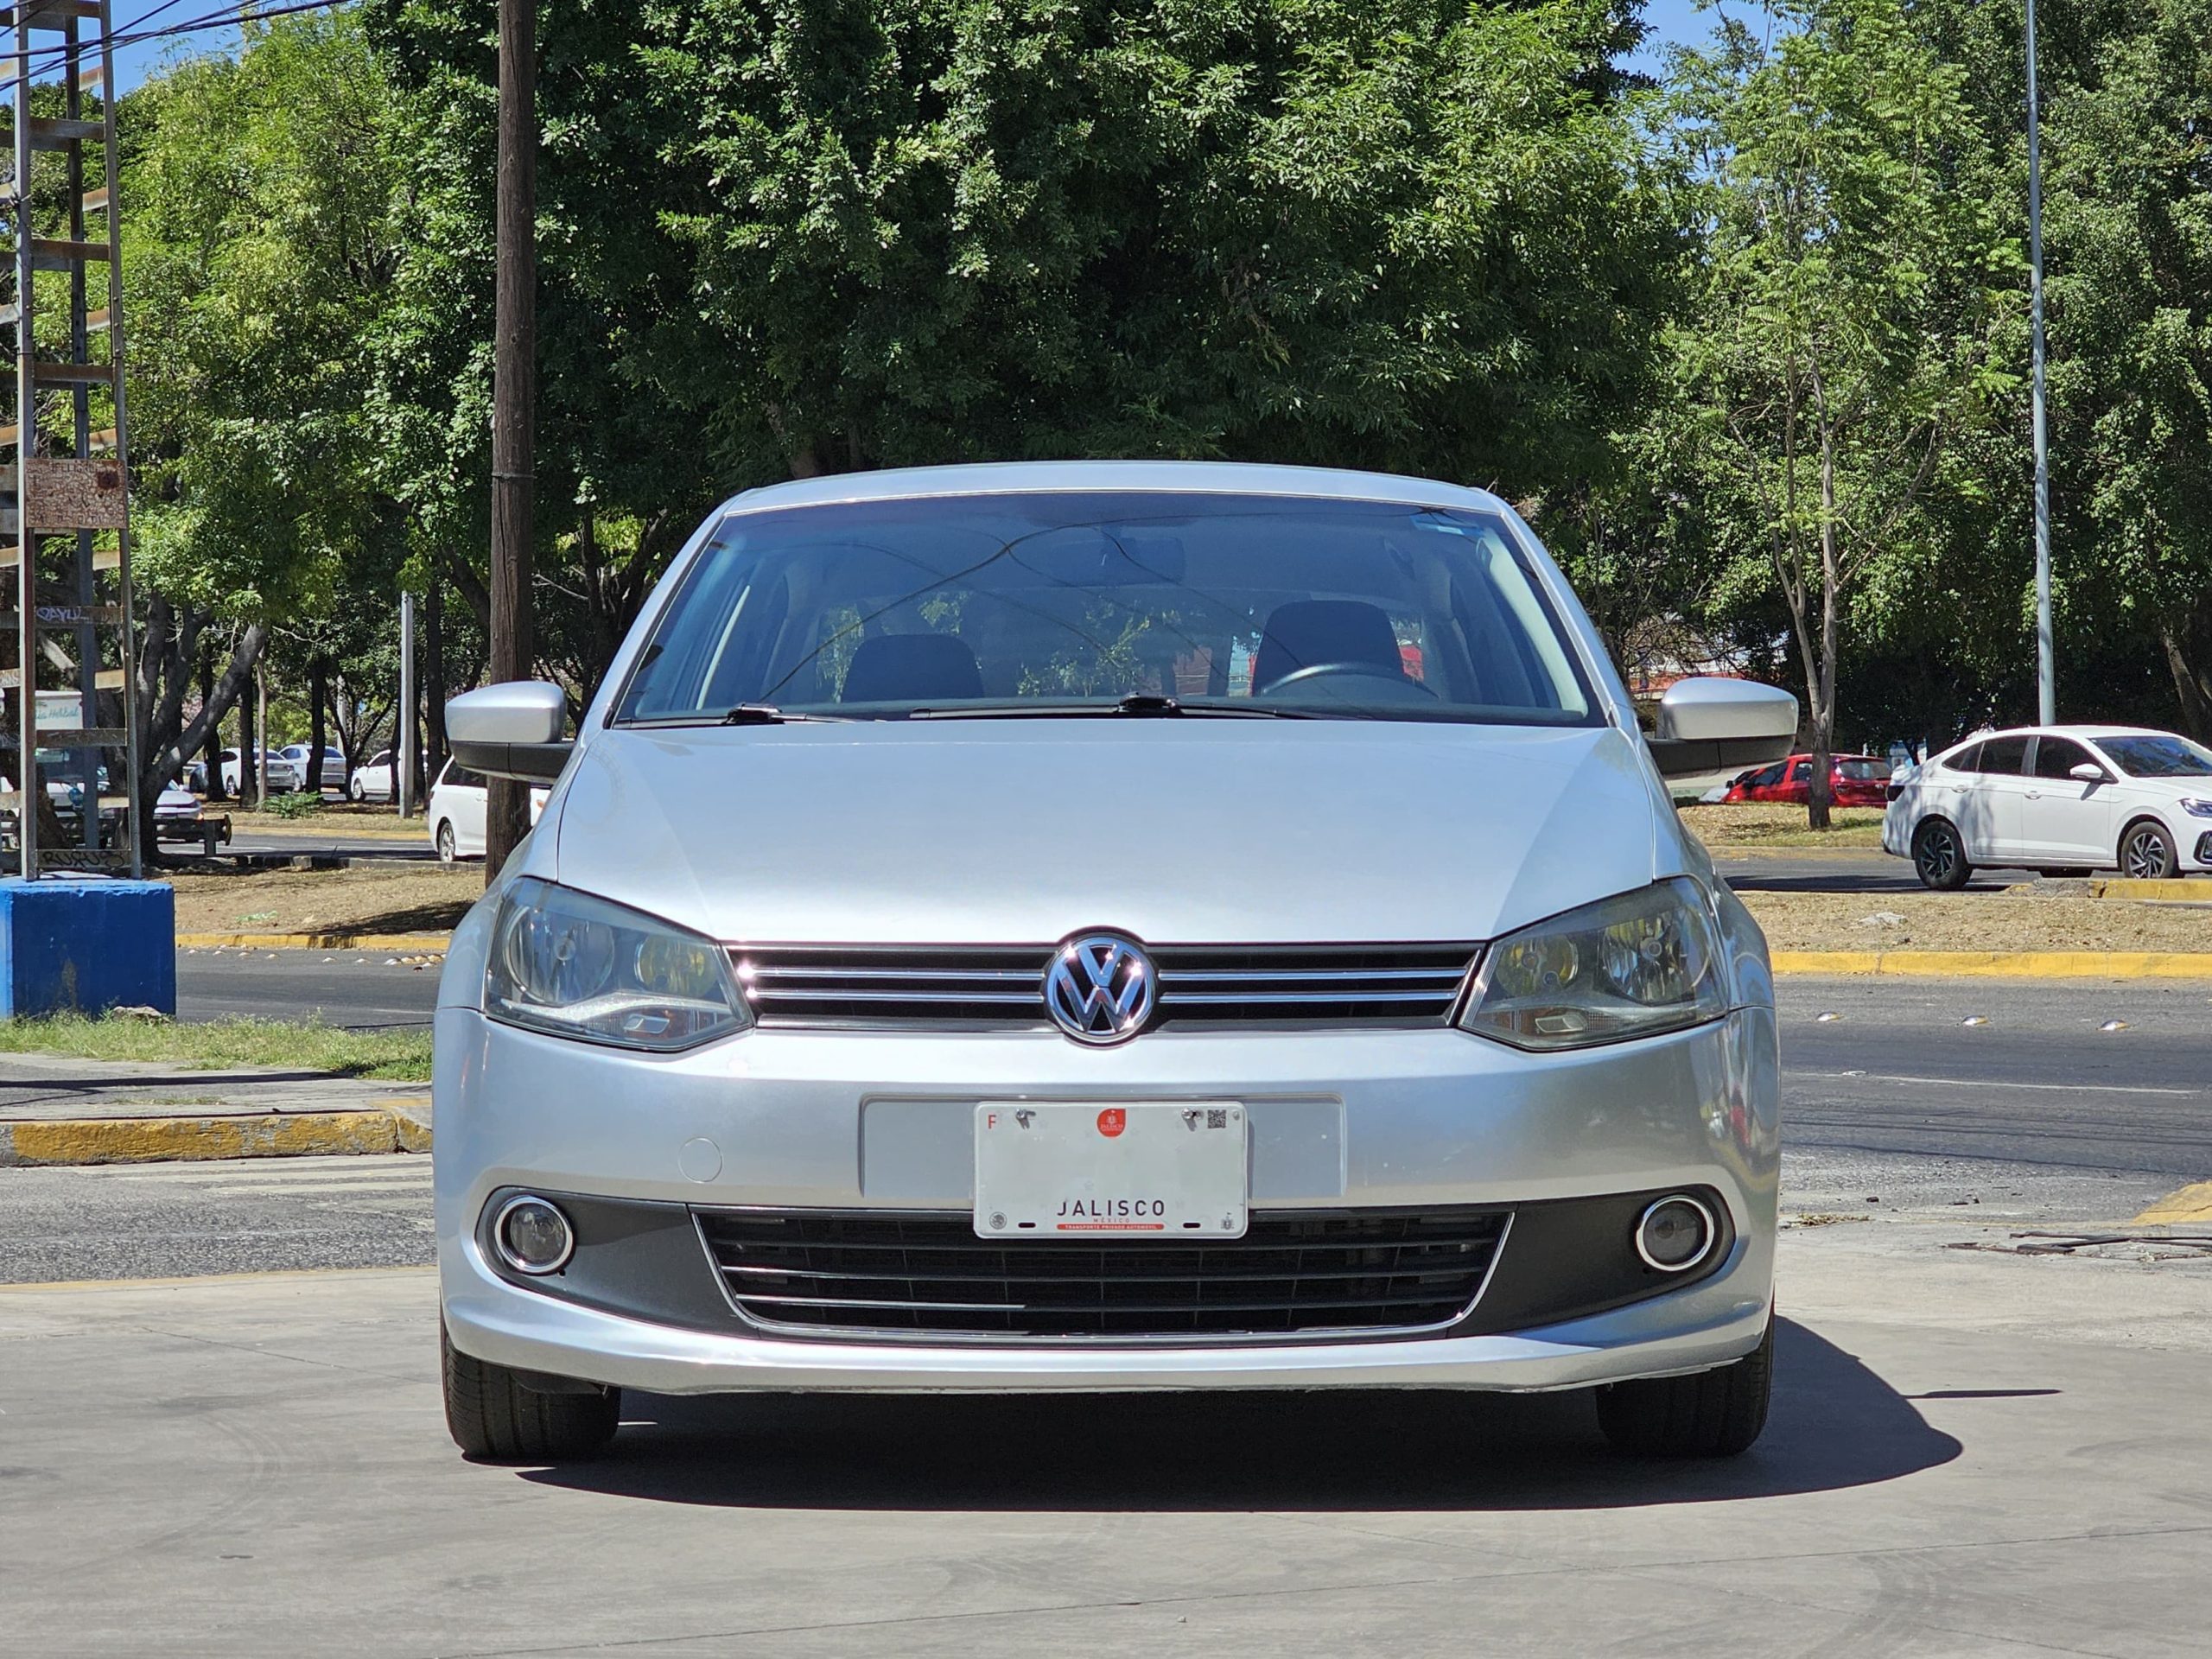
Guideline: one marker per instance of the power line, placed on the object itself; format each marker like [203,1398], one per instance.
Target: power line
[134,33]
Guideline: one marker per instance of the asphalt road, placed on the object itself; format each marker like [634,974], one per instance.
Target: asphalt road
[1844,870]
[358,989]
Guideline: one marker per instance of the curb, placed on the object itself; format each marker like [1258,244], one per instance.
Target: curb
[2001,964]
[409,942]
[2182,891]
[168,1140]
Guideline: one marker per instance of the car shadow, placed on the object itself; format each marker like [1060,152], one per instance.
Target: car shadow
[1835,1424]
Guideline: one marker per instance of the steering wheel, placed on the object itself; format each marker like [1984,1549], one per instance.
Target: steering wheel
[1346,670]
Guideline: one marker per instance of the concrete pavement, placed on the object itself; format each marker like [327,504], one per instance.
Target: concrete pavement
[1972,1454]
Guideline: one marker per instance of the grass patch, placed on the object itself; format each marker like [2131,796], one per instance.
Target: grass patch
[397,1056]
[296,806]
[1771,824]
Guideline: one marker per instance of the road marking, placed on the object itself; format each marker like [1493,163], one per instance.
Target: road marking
[1990,1083]
[2193,1203]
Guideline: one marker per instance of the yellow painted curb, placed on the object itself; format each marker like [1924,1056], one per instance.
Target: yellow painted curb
[2192,1203]
[2001,964]
[2170,892]
[165,1140]
[411,942]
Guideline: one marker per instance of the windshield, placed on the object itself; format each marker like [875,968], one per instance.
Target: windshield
[2159,755]
[1007,605]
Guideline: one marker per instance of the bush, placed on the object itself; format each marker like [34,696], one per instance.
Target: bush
[295,806]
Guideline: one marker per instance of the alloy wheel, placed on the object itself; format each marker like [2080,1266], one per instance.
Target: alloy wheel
[1938,855]
[2145,856]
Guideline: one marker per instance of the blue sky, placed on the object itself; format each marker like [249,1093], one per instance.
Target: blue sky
[1674,22]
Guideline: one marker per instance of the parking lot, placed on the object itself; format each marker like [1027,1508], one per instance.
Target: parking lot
[1973,1452]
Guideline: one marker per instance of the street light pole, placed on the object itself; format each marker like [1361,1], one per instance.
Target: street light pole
[2046,673]
[514,395]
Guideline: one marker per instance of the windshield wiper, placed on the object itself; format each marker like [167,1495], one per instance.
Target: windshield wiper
[742,714]
[1143,705]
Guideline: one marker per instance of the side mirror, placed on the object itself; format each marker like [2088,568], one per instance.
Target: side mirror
[1712,725]
[511,730]
[2090,772]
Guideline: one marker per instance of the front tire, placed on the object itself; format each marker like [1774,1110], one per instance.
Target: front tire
[448,851]
[356,792]
[2146,852]
[493,1417]
[1716,1413]
[1939,856]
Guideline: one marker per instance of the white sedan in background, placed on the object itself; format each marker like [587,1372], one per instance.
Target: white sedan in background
[2057,799]
[457,811]
[374,780]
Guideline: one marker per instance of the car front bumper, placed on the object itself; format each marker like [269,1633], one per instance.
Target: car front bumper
[1358,1120]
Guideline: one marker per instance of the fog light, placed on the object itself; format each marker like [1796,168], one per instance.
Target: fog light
[533,1235]
[1675,1234]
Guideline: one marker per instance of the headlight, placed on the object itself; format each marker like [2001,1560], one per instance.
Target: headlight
[1629,966]
[566,962]
[2197,806]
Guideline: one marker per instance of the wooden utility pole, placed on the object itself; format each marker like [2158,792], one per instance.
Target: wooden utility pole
[514,396]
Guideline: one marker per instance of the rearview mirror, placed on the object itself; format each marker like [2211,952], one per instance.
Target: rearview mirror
[1707,724]
[510,730]
[2090,772]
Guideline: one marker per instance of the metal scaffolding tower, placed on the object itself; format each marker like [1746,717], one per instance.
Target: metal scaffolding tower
[73,715]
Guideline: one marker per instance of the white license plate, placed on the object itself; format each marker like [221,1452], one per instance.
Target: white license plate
[1071,1170]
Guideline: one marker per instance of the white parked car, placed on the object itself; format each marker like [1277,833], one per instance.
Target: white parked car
[456,814]
[375,779]
[299,754]
[2059,799]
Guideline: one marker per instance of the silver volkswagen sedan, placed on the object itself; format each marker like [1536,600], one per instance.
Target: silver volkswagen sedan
[1109,926]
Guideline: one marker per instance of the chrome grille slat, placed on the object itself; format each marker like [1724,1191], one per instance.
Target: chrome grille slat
[917,1274]
[906,986]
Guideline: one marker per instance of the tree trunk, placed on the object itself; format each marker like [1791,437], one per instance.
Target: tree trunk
[169,660]
[249,751]
[318,683]
[433,674]
[2192,684]
[211,753]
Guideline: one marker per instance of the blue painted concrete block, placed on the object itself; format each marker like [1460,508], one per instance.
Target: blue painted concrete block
[74,945]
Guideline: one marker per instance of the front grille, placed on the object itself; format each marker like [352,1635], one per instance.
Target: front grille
[900,1272]
[1001,985]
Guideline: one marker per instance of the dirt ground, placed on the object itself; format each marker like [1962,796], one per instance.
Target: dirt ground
[2009,921]
[1761,823]
[361,899]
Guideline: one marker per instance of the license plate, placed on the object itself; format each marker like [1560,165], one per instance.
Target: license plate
[1071,1170]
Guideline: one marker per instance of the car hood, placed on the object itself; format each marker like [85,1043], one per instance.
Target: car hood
[1173,830]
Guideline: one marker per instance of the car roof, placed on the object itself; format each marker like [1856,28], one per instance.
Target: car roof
[1186,477]
[2091,733]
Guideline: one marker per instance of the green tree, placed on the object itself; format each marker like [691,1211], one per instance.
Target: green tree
[2128,201]
[258,248]
[1842,334]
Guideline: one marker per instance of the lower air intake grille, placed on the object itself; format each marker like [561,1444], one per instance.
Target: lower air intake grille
[897,1272]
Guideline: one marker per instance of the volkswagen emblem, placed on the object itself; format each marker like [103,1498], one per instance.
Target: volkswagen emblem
[1099,988]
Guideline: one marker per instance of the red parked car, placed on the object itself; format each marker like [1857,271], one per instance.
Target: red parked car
[1854,780]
